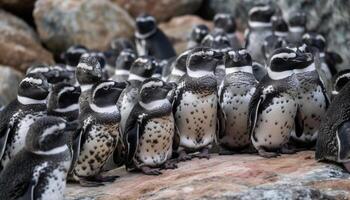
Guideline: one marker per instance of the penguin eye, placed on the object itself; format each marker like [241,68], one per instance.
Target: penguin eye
[105,87]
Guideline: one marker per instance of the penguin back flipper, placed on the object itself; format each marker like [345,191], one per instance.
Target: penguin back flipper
[132,138]
[298,123]
[343,138]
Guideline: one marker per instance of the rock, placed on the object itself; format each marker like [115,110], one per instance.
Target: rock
[331,18]
[179,28]
[162,10]
[20,45]
[9,80]
[91,23]
[296,176]
[22,8]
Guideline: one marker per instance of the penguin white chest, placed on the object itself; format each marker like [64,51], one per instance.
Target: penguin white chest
[196,118]
[55,183]
[155,144]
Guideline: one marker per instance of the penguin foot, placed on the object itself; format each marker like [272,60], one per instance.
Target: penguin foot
[151,171]
[183,156]
[250,149]
[87,183]
[170,164]
[106,178]
[203,154]
[266,154]
[225,152]
[288,150]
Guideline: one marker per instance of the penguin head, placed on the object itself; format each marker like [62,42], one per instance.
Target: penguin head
[225,21]
[202,61]
[125,59]
[217,40]
[106,93]
[199,32]
[341,79]
[240,58]
[60,73]
[145,23]
[119,44]
[154,89]
[50,136]
[279,26]
[271,43]
[297,19]
[34,87]
[315,40]
[97,54]
[73,54]
[260,13]
[64,97]
[180,62]
[88,71]
[142,68]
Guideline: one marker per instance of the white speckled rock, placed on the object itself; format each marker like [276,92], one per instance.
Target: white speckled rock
[92,23]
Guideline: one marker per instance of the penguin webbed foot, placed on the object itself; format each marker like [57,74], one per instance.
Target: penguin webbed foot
[286,149]
[183,156]
[226,152]
[265,154]
[170,164]
[203,154]
[95,181]
[151,171]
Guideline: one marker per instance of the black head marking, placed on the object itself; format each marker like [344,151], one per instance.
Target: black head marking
[34,86]
[261,13]
[199,32]
[106,93]
[285,59]
[144,66]
[315,40]
[203,59]
[146,24]
[237,58]
[279,25]
[180,62]
[217,40]
[153,89]
[271,43]
[125,59]
[62,96]
[99,55]
[89,70]
[297,19]
[225,21]
[73,54]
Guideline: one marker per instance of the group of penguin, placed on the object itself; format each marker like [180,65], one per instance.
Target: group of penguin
[148,109]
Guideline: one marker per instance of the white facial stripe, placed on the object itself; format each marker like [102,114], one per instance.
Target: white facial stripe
[101,86]
[121,72]
[85,87]
[56,150]
[126,53]
[74,50]
[145,19]
[198,74]
[107,109]
[70,108]
[33,80]
[29,101]
[242,51]
[232,53]
[221,15]
[177,72]
[154,104]
[309,68]
[39,70]
[279,75]
[281,34]
[247,69]
[152,83]
[306,36]
[342,76]
[321,55]
[320,37]
[198,30]
[296,29]
[259,8]
[220,38]
[208,37]
[254,24]
[136,77]
[51,130]
[284,56]
[85,66]
[202,53]
[65,89]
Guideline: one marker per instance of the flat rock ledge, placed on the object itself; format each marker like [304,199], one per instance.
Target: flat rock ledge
[243,176]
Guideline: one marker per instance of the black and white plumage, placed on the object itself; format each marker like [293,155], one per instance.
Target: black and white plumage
[99,119]
[297,27]
[54,74]
[196,36]
[150,40]
[123,64]
[39,170]
[274,105]
[259,27]
[72,56]
[235,93]
[179,67]
[101,59]
[333,137]
[340,80]
[226,22]
[63,101]
[17,117]
[195,105]
[150,129]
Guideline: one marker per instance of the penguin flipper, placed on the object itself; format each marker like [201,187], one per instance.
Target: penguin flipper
[254,105]
[132,140]
[343,138]
[324,91]
[221,122]
[176,140]
[76,145]
[299,123]
[4,133]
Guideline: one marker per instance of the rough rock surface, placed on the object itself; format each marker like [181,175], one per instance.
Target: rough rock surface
[161,9]
[22,8]
[19,43]
[92,23]
[329,17]
[296,176]
[179,28]
[9,79]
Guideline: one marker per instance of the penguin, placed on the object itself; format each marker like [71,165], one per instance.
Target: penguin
[150,129]
[54,74]
[333,137]
[195,104]
[226,22]
[259,71]
[313,103]
[39,170]
[72,56]
[259,27]
[123,63]
[235,93]
[340,80]
[99,119]
[179,67]
[297,27]
[273,107]
[20,114]
[63,101]
[196,36]
[150,40]
[101,59]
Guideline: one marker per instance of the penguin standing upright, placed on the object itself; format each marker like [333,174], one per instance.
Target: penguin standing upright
[259,27]
[340,80]
[63,101]
[179,67]
[54,74]
[150,129]
[196,36]
[39,170]
[20,114]
[235,93]
[226,22]
[195,105]
[333,137]
[150,40]
[123,64]
[297,28]
[99,119]
[274,105]
[72,56]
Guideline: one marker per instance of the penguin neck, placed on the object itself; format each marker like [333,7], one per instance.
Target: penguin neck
[247,69]
[135,77]
[86,87]
[121,72]
[145,35]
[280,33]
[105,109]
[279,75]
[259,25]
[54,151]
[309,68]
[154,104]
[29,101]
[177,72]
[296,29]
[199,73]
